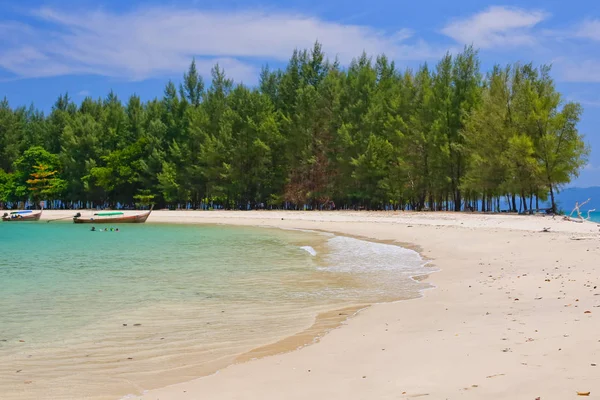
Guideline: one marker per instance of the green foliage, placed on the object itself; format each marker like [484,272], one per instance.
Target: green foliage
[44,183]
[5,186]
[36,175]
[367,135]
[143,198]
[522,139]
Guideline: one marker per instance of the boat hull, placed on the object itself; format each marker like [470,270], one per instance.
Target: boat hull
[131,219]
[23,218]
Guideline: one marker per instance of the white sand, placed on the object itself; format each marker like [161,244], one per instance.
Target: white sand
[507,320]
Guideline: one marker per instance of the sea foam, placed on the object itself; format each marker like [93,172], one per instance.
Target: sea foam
[348,254]
[309,250]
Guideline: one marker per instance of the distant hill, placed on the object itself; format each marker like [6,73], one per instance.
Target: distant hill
[566,198]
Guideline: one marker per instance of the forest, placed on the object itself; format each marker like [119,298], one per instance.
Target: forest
[312,135]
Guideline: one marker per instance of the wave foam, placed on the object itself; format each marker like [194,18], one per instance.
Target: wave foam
[309,250]
[354,255]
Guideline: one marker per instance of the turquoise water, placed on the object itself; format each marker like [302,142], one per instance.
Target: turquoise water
[595,216]
[114,311]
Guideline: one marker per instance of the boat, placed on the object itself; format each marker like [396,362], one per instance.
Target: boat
[22,216]
[112,217]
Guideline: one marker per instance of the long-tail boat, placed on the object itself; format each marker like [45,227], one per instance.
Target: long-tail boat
[112,217]
[22,216]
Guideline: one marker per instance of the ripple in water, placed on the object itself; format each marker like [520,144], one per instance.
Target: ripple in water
[152,305]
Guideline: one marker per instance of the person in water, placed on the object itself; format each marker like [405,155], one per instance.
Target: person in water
[93,229]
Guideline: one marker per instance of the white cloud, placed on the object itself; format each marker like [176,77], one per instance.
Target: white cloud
[155,41]
[496,27]
[589,103]
[583,71]
[589,29]
[83,93]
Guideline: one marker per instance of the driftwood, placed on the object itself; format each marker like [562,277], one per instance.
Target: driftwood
[580,218]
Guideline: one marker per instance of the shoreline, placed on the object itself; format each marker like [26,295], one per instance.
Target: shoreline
[362,360]
[424,353]
[324,323]
[330,317]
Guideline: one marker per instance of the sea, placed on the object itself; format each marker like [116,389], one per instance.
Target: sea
[595,216]
[104,314]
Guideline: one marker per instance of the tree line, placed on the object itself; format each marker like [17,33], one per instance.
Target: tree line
[312,134]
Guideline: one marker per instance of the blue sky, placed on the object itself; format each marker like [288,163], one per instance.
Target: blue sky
[90,47]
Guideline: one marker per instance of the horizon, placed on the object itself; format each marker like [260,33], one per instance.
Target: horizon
[56,47]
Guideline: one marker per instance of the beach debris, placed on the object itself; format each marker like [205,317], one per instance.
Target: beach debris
[546,229]
[583,393]
[494,376]
[594,365]
[364,377]
[579,216]
[19,370]
[538,398]
[587,312]
[22,341]
[137,324]
[28,382]
[124,324]
[507,350]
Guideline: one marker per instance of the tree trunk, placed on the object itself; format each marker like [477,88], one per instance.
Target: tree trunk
[552,199]
[457,200]
[514,202]
[531,202]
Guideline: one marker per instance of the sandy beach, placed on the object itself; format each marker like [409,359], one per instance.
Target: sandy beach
[515,315]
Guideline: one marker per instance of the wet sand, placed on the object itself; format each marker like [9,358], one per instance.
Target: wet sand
[515,314]
[508,319]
